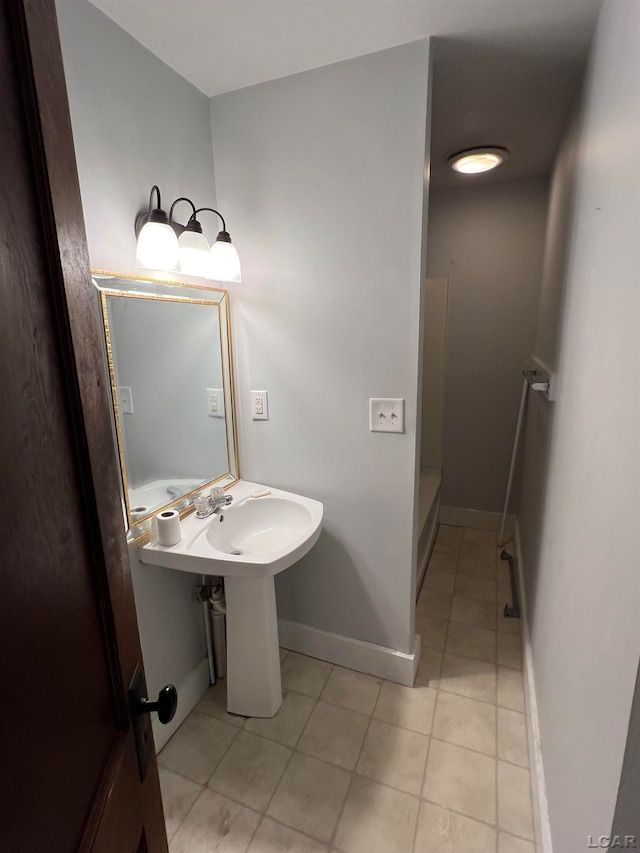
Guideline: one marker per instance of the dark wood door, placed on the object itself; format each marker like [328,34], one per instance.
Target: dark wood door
[69,646]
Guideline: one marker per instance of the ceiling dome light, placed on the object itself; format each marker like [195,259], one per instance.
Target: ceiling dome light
[476,160]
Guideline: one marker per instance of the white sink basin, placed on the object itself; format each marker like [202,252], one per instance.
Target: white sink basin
[252,537]
[247,543]
[260,526]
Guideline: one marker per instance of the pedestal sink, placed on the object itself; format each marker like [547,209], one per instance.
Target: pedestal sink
[247,543]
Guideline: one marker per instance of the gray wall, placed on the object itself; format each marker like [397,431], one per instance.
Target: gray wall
[580,498]
[436,304]
[488,241]
[320,176]
[136,123]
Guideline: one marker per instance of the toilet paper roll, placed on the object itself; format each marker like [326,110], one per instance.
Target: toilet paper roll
[169,527]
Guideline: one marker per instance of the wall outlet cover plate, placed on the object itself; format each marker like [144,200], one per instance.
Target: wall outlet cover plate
[386,414]
[215,402]
[259,405]
[125,400]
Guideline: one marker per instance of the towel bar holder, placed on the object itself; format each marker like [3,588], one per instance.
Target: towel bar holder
[537,382]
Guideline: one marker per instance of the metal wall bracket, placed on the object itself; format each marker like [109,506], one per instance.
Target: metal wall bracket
[511,610]
[540,378]
[537,382]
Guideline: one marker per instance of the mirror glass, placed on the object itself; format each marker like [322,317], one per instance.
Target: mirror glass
[168,354]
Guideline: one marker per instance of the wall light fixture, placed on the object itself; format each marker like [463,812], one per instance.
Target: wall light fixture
[168,245]
[193,245]
[157,242]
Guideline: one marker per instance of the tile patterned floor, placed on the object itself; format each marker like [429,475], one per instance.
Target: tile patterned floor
[358,765]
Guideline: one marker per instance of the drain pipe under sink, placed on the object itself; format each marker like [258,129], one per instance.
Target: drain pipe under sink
[208,635]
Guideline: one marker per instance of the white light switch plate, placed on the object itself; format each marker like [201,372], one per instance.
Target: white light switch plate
[215,402]
[259,405]
[125,400]
[386,414]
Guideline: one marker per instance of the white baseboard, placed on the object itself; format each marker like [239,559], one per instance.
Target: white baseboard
[481,520]
[190,692]
[353,654]
[423,557]
[538,787]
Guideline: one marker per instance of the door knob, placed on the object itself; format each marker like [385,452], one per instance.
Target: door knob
[165,705]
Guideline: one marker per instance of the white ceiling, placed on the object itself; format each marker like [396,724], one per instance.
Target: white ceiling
[505,73]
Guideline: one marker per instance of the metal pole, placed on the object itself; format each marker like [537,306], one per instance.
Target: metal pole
[514,454]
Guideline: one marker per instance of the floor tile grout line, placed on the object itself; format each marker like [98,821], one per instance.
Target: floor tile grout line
[239,802]
[332,840]
[355,773]
[442,740]
[493,826]
[426,764]
[275,788]
[274,740]
[324,683]
[325,760]
[294,750]
[330,763]
[451,692]
[231,742]
[264,816]
[474,699]
[371,716]
[189,810]
[196,798]
[477,752]
[481,660]
[203,785]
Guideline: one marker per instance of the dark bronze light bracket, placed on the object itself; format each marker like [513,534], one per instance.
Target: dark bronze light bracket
[166,244]
[157,214]
[153,214]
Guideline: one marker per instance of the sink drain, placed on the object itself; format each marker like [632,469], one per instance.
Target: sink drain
[236,553]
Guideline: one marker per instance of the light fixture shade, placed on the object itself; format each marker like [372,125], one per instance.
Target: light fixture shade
[157,247]
[224,263]
[477,160]
[194,253]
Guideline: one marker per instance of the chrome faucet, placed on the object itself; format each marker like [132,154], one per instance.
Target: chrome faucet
[207,505]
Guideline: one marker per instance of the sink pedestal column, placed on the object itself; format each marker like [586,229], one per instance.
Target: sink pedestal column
[254,687]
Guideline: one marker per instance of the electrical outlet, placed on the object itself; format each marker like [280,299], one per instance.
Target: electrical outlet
[386,414]
[259,406]
[215,402]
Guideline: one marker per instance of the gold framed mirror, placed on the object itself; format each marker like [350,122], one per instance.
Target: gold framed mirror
[169,359]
